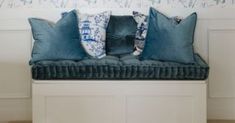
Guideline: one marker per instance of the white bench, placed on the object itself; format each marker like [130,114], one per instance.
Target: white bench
[76,101]
[119,102]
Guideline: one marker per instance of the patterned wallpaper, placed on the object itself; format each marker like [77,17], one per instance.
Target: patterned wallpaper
[114,3]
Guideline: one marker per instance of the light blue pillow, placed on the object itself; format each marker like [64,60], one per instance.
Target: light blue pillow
[169,40]
[58,41]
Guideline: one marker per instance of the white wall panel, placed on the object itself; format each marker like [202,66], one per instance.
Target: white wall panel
[222,59]
[14,72]
[15,80]
[221,96]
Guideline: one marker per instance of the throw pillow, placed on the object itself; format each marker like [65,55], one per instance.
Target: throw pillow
[142,27]
[56,41]
[93,32]
[142,23]
[168,39]
[120,35]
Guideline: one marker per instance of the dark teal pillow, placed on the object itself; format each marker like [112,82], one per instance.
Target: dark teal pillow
[120,35]
[56,41]
[169,40]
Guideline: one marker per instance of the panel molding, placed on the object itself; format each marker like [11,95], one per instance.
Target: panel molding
[27,93]
[16,96]
[107,97]
[210,30]
[175,97]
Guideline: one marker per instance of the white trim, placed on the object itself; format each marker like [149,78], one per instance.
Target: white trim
[118,82]
[209,31]
[15,96]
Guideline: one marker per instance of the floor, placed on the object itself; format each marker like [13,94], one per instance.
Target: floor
[210,121]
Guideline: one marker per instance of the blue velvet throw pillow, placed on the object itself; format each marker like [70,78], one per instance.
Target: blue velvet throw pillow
[120,36]
[169,40]
[58,41]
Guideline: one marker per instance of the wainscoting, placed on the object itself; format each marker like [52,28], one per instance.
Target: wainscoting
[215,41]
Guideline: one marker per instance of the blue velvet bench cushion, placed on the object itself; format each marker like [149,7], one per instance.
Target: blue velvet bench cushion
[114,68]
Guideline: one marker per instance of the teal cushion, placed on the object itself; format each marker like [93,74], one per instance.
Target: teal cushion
[127,67]
[120,35]
[169,40]
[56,41]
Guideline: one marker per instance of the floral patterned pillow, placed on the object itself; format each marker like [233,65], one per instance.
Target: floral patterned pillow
[93,32]
[141,33]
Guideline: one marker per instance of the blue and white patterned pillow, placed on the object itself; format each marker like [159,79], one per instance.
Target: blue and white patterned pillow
[142,27]
[93,32]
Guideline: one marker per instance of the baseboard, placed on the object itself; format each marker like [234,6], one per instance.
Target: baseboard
[15,121]
[221,121]
[20,122]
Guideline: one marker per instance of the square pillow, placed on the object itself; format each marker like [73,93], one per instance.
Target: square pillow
[121,32]
[168,39]
[56,41]
[93,32]
[142,26]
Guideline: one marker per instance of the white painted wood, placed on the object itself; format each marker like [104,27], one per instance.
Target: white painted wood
[15,101]
[119,102]
[221,36]
[117,81]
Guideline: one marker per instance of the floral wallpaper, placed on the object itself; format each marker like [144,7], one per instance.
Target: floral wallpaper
[114,3]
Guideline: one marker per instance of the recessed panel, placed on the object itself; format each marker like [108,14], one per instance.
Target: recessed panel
[222,63]
[156,109]
[14,67]
[79,109]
